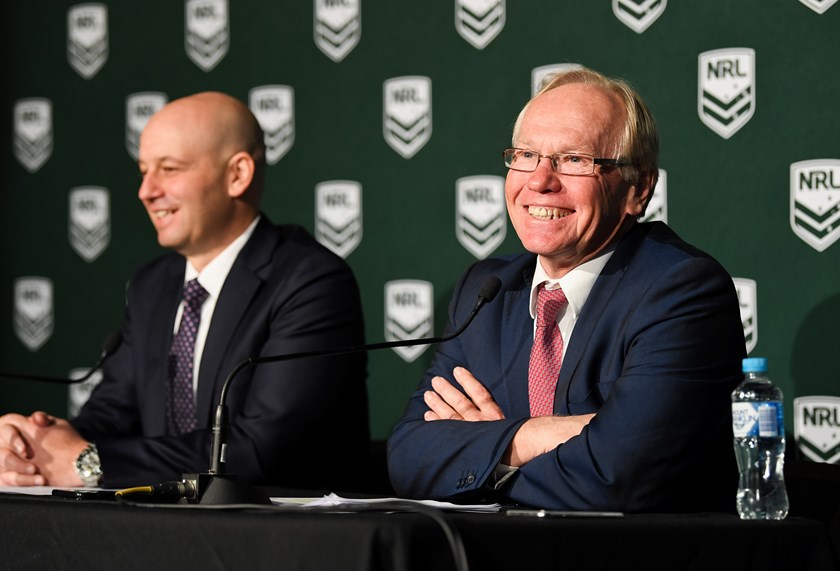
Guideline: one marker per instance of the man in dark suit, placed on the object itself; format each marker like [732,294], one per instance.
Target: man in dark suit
[263,290]
[616,397]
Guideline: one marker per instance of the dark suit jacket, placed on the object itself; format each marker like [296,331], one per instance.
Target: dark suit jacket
[656,351]
[298,423]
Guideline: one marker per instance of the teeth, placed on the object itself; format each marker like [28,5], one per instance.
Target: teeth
[162,213]
[547,213]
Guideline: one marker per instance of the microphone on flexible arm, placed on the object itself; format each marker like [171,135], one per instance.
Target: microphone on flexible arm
[214,486]
[109,347]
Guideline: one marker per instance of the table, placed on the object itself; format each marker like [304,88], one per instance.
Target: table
[38,532]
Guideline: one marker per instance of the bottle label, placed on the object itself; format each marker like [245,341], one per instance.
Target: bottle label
[757,419]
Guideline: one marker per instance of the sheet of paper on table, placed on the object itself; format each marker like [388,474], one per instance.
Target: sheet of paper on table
[333,500]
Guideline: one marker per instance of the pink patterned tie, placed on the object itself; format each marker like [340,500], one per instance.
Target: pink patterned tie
[182,404]
[547,352]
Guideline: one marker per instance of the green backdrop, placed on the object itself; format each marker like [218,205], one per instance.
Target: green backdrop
[730,193]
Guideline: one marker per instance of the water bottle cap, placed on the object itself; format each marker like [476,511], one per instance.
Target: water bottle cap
[754,365]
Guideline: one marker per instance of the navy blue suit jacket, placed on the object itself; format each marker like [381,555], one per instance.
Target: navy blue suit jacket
[298,423]
[655,353]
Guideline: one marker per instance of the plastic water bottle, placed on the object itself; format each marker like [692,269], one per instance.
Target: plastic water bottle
[759,430]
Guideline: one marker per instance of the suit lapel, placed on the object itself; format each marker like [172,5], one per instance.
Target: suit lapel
[162,313]
[241,286]
[602,294]
[516,338]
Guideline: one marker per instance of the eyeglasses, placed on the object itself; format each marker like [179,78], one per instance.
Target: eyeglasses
[564,163]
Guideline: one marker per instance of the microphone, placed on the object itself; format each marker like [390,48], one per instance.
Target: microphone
[112,343]
[228,491]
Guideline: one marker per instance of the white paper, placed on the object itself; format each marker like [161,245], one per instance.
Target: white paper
[333,500]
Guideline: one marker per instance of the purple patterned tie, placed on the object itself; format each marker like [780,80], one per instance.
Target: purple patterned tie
[547,352]
[182,401]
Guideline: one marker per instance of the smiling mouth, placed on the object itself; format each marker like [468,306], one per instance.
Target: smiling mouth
[160,214]
[544,213]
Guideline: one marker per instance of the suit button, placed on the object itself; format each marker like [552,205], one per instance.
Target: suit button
[470,479]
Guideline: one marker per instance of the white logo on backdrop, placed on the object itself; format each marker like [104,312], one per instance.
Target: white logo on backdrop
[539,75]
[274,107]
[638,14]
[407,113]
[657,208]
[338,215]
[139,108]
[33,135]
[90,221]
[726,89]
[338,27]
[479,21]
[207,33]
[33,319]
[748,304]
[409,311]
[87,38]
[79,393]
[480,218]
[815,201]
[819,6]
[816,427]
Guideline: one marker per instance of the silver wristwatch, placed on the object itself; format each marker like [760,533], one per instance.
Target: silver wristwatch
[88,466]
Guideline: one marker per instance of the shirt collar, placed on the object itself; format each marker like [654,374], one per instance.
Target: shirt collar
[213,276]
[576,284]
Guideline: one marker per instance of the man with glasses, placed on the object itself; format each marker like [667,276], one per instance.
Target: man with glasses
[599,378]
[235,287]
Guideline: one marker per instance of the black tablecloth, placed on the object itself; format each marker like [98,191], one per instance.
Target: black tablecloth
[49,533]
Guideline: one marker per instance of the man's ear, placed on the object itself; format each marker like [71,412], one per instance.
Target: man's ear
[240,174]
[640,194]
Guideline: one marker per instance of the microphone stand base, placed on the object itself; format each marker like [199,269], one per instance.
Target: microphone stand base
[215,489]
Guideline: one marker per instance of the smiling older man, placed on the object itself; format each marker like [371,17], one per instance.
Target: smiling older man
[599,378]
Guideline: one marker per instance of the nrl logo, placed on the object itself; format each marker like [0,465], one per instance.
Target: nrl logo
[33,320]
[726,89]
[638,14]
[90,221]
[479,21]
[815,202]
[819,6]
[139,108]
[338,215]
[542,75]
[338,27]
[480,221]
[87,38]
[33,137]
[79,393]
[748,304]
[657,208]
[408,314]
[207,34]
[274,107]
[407,115]
[816,426]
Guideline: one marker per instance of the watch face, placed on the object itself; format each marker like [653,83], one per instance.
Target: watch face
[88,466]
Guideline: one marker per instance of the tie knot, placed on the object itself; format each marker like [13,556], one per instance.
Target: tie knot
[549,302]
[194,293]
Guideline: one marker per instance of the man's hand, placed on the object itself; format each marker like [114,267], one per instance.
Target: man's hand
[47,444]
[543,434]
[446,402]
[16,467]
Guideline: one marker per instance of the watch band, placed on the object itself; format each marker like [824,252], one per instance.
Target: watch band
[88,466]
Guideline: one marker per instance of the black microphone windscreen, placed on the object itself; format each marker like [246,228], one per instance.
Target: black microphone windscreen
[490,288]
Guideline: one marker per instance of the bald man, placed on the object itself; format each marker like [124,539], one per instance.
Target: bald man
[260,290]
